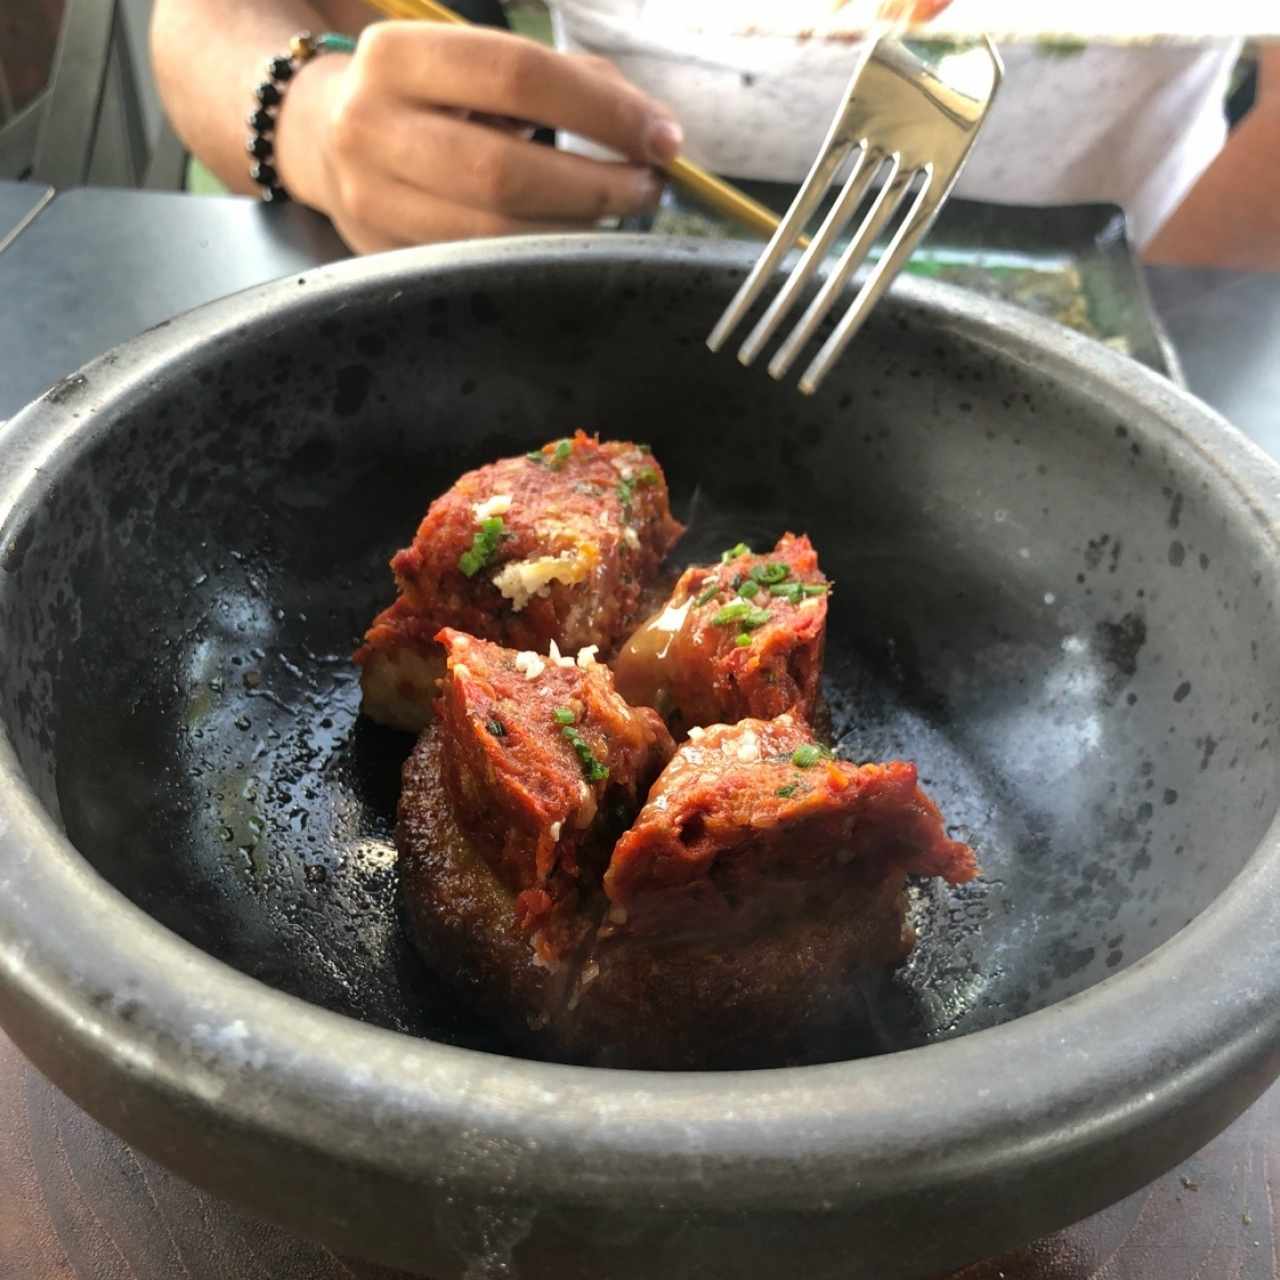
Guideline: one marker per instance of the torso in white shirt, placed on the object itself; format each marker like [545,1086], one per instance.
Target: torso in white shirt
[1131,126]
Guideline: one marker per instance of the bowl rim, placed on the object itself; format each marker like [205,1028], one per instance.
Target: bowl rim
[82,967]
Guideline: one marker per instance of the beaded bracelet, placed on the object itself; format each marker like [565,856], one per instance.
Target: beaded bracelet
[270,94]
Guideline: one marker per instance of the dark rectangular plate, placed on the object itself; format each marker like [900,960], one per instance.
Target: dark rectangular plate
[1072,263]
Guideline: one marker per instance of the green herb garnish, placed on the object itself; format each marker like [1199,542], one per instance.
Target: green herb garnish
[742,612]
[807,756]
[559,455]
[496,728]
[627,486]
[483,545]
[742,640]
[770,573]
[591,767]
[789,790]
[749,589]
[732,613]
[645,448]
[797,591]
[734,552]
[563,715]
[707,593]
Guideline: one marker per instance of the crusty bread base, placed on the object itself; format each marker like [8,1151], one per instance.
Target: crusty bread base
[398,686]
[783,993]
[462,917]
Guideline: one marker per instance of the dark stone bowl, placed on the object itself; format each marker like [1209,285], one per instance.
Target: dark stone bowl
[1057,585]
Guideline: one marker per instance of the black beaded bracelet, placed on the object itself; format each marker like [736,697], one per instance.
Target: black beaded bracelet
[270,94]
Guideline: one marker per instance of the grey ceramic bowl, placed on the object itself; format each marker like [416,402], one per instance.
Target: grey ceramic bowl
[1057,585]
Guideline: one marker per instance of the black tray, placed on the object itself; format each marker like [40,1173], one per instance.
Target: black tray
[1073,263]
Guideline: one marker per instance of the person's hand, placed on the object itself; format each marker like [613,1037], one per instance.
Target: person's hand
[387,141]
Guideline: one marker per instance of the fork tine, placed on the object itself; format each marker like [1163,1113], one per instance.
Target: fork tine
[909,121]
[882,209]
[836,149]
[865,167]
[789,230]
[913,228]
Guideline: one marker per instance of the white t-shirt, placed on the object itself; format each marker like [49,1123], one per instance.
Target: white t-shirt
[1132,126]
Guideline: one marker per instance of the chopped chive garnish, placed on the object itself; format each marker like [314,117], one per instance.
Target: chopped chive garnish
[749,589]
[708,592]
[742,612]
[563,715]
[559,455]
[770,573]
[742,640]
[483,545]
[731,613]
[806,757]
[797,591]
[734,552]
[627,486]
[496,727]
[789,790]
[591,767]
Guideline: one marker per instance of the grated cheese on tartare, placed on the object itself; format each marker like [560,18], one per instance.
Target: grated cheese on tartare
[497,505]
[561,660]
[586,811]
[530,664]
[521,580]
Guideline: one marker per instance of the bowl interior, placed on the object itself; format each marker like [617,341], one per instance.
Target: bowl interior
[1051,605]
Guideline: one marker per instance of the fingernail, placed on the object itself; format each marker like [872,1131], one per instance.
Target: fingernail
[663,140]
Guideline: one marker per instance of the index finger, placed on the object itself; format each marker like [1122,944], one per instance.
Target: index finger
[502,74]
